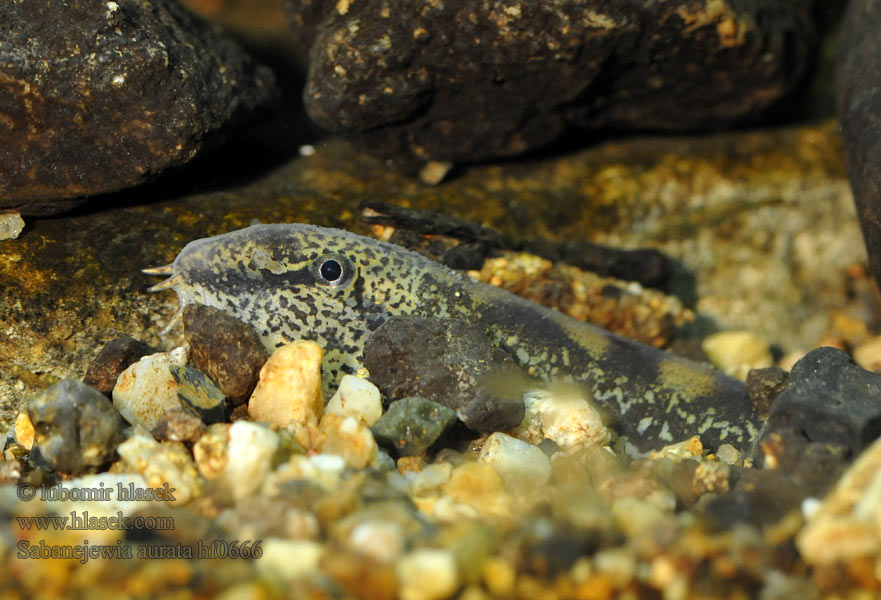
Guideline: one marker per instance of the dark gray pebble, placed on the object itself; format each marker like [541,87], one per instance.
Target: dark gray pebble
[114,358]
[200,394]
[450,362]
[829,400]
[227,349]
[411,425]
[98,96]
[461,81]
[76,428]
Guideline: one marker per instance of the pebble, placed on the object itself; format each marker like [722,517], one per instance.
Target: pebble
[324,470]
[163,464]
[411,425]
[23,430]
[211,451]
[114,358]
[736,352]
[728,454]
[75,428]
[563,416]
[200,394]
[179,425]
[868,354]
[288,393]
[522,466]
[250,454]
[146,389]
[348,438]
[763,387]
[225,348]
[427,574]
[847,525]
[450,362]
[430,479]
[287,560]
[480,487]
[690,448]
[11,225]
[829,400]
[356,397]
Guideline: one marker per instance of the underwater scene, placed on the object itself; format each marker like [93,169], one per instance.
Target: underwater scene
[434,299]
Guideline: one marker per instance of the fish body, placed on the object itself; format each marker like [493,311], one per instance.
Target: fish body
[297,281]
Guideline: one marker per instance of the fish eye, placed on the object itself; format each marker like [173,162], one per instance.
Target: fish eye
[333,270]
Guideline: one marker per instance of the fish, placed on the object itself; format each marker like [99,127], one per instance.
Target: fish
[294,281]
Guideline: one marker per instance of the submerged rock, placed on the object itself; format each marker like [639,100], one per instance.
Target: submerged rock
[114,358]
[146,389]
[289,391]
[456,82]
[411,425]
[225,348]
[447,361]
[76,428]
[829,400]
[200,394]
[100,96]
[858,85]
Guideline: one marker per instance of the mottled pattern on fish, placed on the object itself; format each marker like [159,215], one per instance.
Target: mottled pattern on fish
[295,281]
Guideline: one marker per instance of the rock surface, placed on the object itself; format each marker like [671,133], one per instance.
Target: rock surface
[99,96]
[76,428]
[463,82]
[225,348]
[829,400]
[449,362]
[115,357]
[858,86]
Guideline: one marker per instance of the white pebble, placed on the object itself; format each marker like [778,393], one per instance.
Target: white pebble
[356,397]
[427,574]
[561,415]
[146,389]
[348,438]
[288,560]
[249,456]
[520,464]
[736,352]
[11,225]
[166,465]
[288,393]
[429,479]
[381,540]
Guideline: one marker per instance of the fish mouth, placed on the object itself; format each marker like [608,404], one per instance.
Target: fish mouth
[173,282]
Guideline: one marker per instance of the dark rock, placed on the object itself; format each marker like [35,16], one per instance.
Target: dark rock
[200,394]
[465,257]
[447,361]
[829,400]
[760,497]
[858,84]
[179,425]
[411,425]
[458,81]
[99,96]
[764,385]
[114,358]
[76,428]
[227,349]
